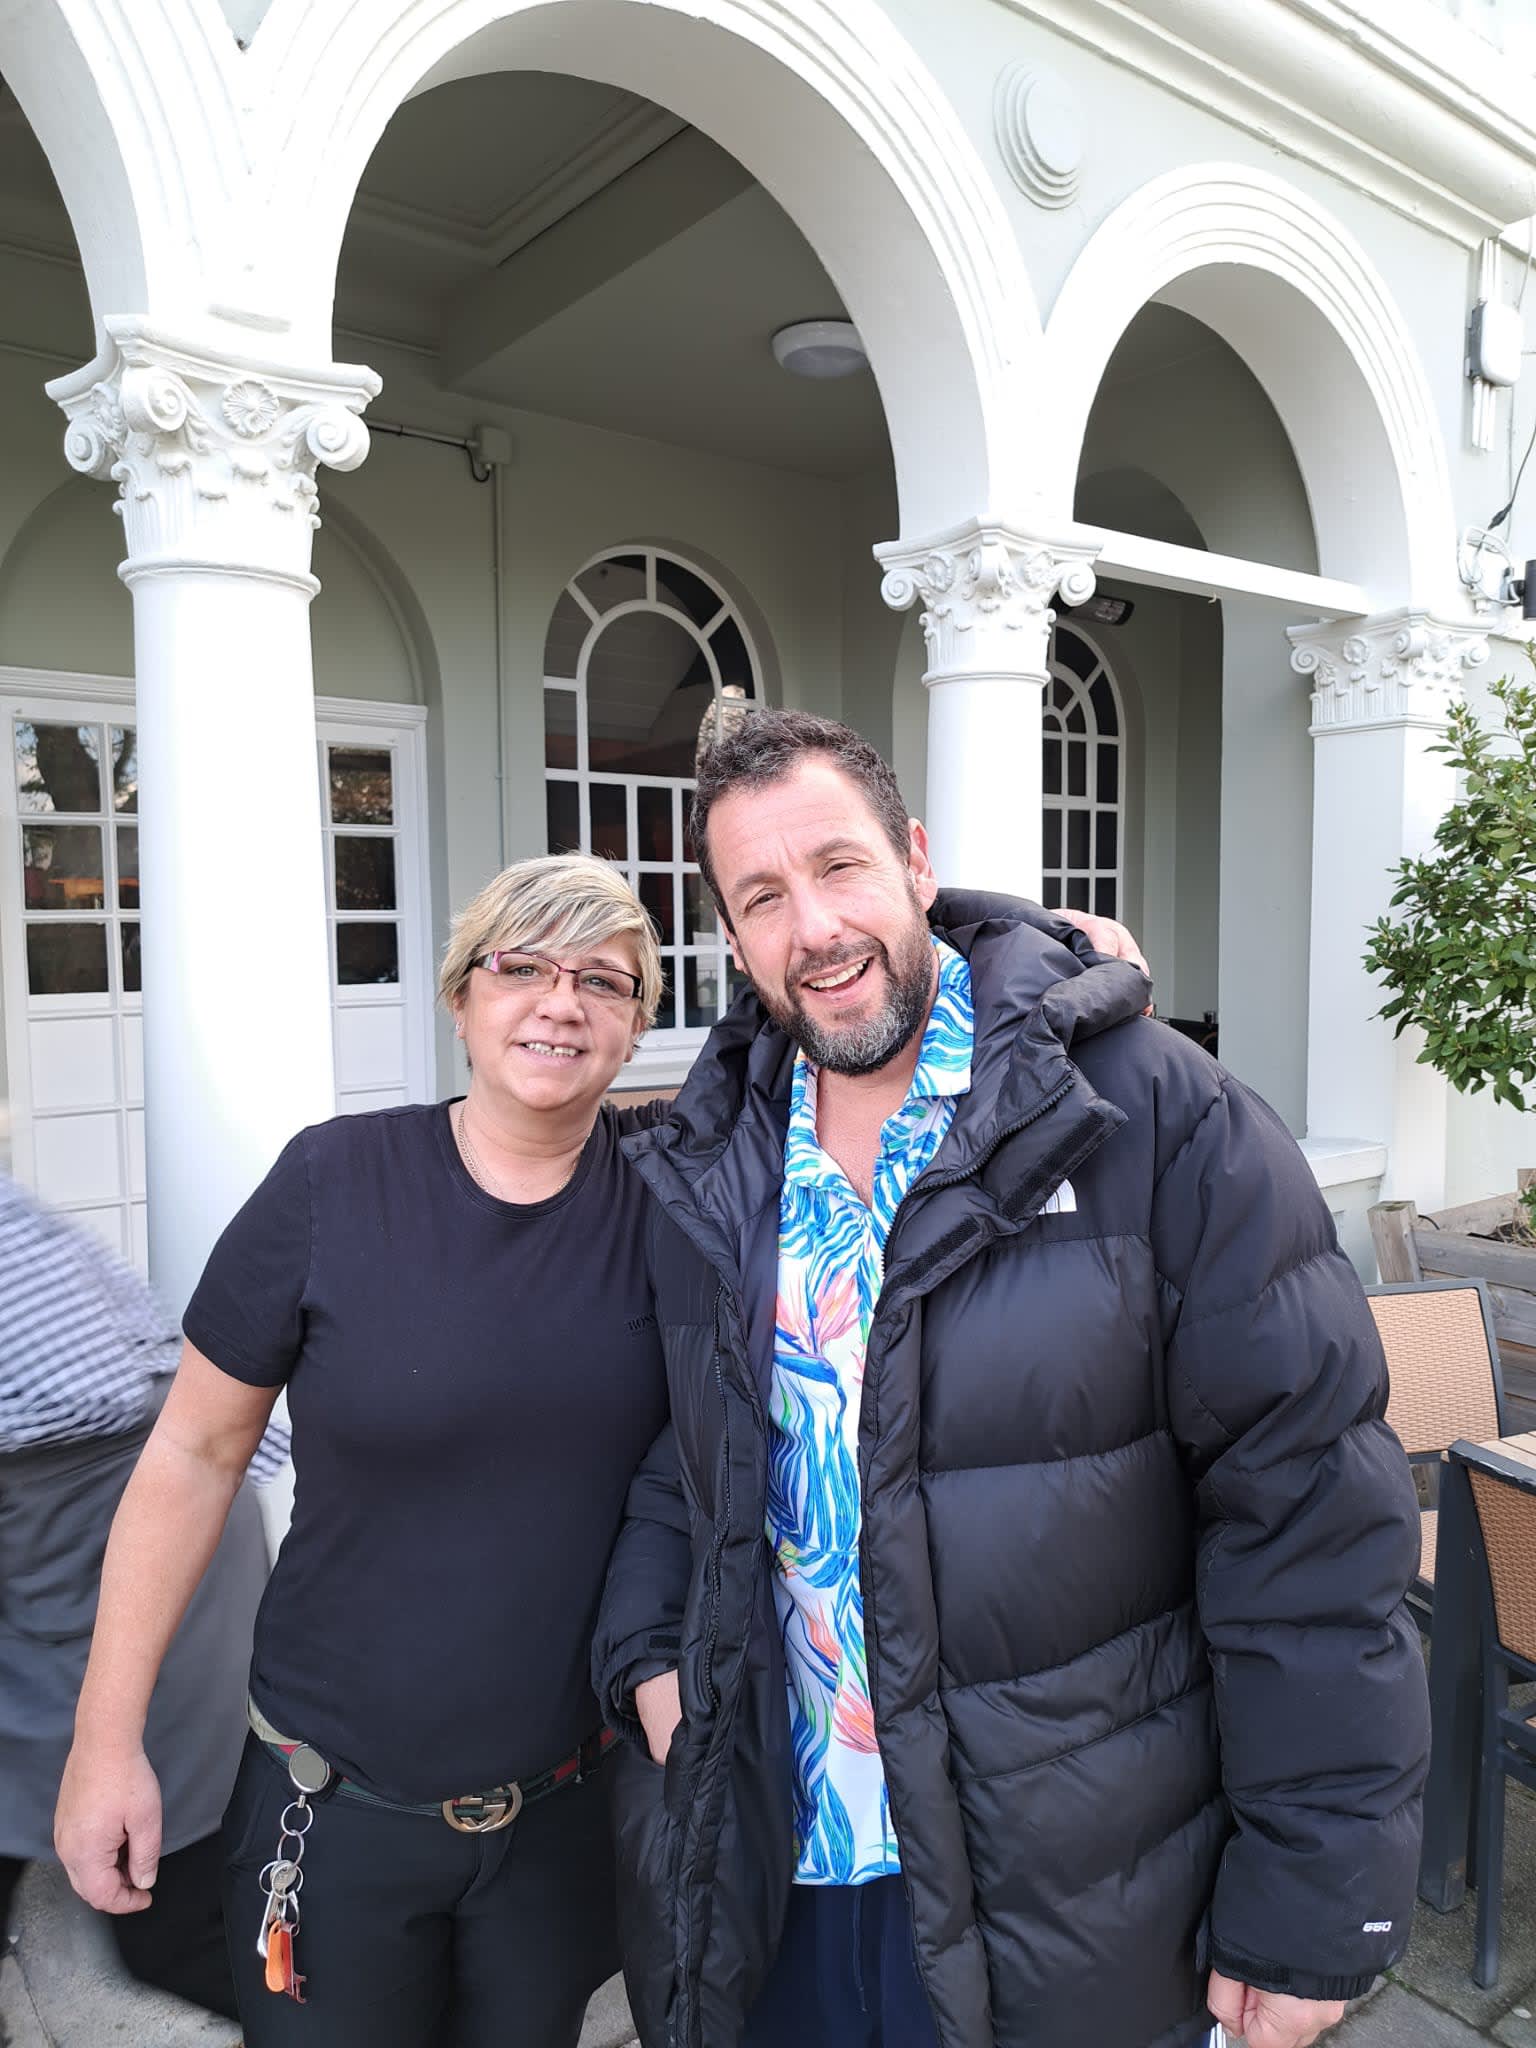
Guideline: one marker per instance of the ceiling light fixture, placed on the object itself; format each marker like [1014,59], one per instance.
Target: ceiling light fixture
[1100,610]
[820,348]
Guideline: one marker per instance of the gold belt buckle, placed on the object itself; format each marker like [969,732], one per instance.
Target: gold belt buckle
[482,1813]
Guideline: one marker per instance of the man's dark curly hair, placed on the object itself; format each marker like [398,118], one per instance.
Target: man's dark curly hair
[770,745]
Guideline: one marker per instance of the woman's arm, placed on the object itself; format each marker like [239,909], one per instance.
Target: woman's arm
[167,1526]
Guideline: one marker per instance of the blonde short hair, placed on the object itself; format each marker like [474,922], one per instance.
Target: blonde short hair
[559,903]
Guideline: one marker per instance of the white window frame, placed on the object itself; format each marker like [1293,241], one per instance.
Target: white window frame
[1055,878]
[666,1053]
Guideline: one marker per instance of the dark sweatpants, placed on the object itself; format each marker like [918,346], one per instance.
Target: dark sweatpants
[177,1942]
[846,1973]
[413,1934]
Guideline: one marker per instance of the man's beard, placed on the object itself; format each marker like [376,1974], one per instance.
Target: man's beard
[864,1046]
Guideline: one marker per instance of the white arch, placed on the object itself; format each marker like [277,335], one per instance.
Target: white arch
[822,100]
[137,105]
[1298,299]
[210,188]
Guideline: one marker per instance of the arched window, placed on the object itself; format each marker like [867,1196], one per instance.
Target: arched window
[1083,777]
[642,649]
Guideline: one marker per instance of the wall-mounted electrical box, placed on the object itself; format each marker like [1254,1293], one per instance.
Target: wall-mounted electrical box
[1495,342]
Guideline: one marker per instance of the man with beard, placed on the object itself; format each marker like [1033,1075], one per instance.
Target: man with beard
[1070,1699]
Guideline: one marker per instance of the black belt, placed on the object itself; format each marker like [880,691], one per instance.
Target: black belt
[472,1813]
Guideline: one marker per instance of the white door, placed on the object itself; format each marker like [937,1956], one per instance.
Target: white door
[69,934]
[372,804]
[69,901]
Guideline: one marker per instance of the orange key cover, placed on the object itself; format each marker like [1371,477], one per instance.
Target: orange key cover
[279,1959]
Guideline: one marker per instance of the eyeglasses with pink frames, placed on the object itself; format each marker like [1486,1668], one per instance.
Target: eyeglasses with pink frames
[533,971]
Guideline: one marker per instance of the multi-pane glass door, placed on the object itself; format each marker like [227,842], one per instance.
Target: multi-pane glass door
[73,1004]
[381,993]
[73,1070]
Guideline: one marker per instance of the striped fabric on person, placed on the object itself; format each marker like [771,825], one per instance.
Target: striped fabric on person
[82,1338]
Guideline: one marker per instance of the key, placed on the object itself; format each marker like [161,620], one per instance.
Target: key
[283,1877]
[273,1914]
[279,1957]
[281,1975]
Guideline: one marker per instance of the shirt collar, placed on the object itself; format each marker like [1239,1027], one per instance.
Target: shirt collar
[944,1058]
[943,1068]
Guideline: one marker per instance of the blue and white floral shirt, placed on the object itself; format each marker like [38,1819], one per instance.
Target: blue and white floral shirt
[831,1270]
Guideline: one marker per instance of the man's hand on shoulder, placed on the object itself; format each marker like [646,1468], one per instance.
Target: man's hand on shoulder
[1268,2019]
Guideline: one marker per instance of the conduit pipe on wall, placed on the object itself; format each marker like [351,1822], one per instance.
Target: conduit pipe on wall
[499,657]
[489,450]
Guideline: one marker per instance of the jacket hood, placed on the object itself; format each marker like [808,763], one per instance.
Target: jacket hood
[1037,987]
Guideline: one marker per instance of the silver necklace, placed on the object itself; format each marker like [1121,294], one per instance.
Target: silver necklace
[478,1173]
[471,1157]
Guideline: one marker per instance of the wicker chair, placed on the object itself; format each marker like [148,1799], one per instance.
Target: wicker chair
[1443,1364]
[1503,1486]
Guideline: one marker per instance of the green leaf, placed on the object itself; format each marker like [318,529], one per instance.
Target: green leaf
[1457,960]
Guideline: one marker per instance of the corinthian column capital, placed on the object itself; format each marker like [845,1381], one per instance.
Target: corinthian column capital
[214,458]
[987,592]
[1404,668]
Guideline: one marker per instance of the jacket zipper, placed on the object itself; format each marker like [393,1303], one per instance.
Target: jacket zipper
[711,1642]
[958,1173]
[1040,1109]
[871,1631]
[722,1523]
[926,1182]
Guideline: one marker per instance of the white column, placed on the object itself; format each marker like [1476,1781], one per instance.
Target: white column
[1266,774]
[986,592]
[1380,692]
[215,462]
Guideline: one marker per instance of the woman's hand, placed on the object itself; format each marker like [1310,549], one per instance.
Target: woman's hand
[660,1708]
[1106,935]
[107,1827]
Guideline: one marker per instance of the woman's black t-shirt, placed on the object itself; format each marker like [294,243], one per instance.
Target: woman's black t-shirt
[472,1384]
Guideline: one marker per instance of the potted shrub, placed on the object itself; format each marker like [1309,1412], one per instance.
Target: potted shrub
[1458,959]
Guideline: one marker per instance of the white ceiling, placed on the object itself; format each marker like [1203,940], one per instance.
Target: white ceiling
[673,343]
[677,347]
[466,153]
[670,340]
[632,296]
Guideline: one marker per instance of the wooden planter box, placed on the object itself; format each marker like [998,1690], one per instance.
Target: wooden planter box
[1455,1245]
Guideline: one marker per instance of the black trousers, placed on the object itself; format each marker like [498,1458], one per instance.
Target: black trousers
[177,1942]
[414,1936]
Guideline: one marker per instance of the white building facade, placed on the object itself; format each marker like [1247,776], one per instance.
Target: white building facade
[423,350]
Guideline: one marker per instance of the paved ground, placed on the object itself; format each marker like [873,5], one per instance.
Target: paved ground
[1430,2000]
[61,1986]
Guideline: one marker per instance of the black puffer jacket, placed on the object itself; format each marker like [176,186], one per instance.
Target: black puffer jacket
[1135,1544]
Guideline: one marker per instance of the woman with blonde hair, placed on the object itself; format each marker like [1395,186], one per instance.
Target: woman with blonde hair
[454,1297]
